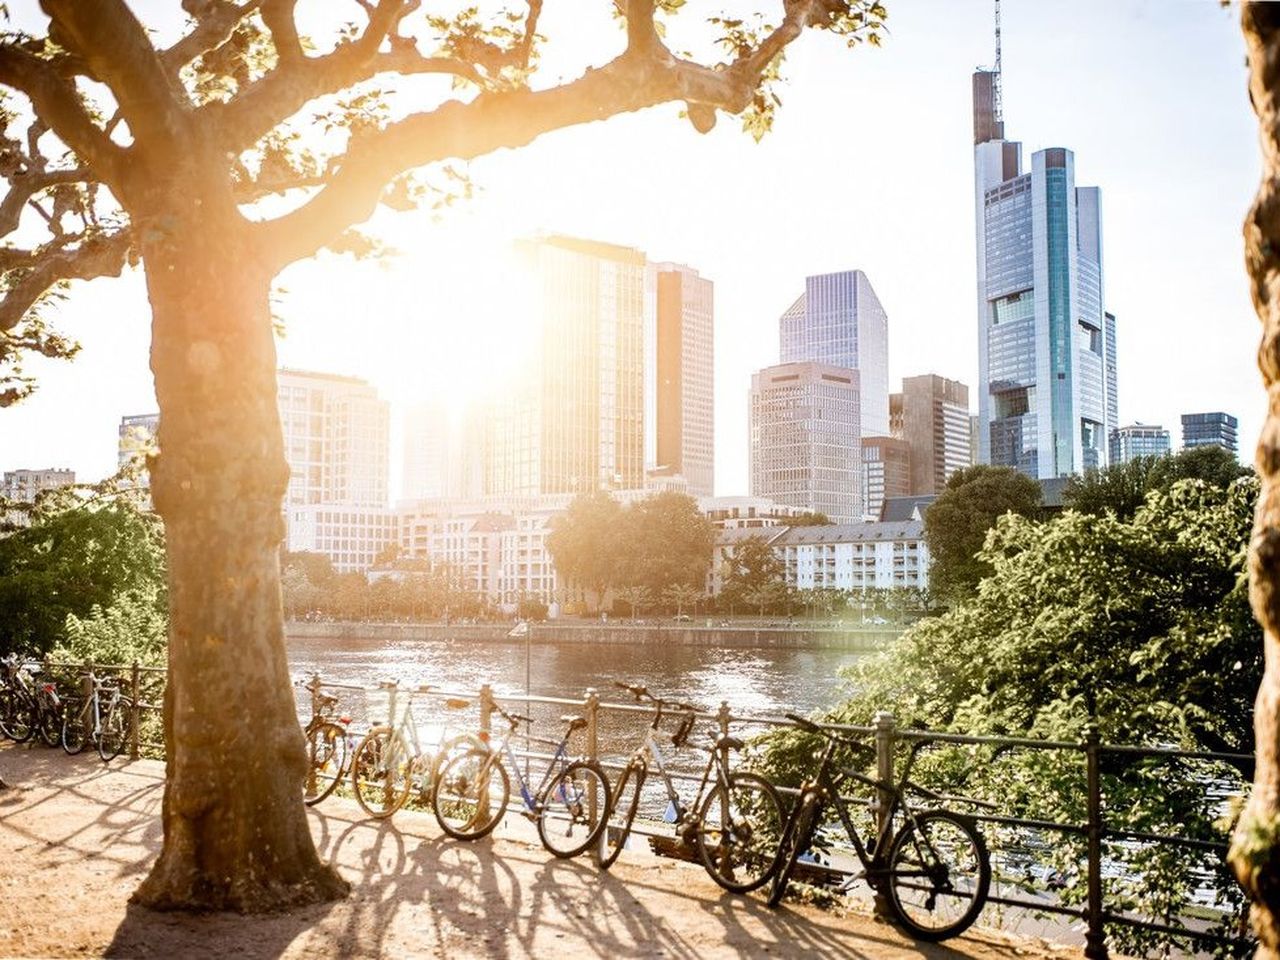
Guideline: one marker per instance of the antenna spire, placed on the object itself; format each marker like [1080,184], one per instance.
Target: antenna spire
[996,81]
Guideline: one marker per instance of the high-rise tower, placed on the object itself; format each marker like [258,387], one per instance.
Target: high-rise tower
[1046,353]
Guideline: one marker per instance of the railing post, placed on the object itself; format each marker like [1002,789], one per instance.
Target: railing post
[486,709]
[592,707]
[886,735]
[1096,935]
[313,688]
[135,685]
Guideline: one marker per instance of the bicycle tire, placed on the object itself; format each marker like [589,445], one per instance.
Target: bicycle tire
[49,725]
[115,730]
[17,716]
[464,802]
[622,812]
[326,761]
[73,726]
[795,840]
[743,857]
[962,842]
[381,789]
[566,803]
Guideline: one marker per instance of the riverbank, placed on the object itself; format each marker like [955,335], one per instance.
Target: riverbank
[855,639]
[76,837]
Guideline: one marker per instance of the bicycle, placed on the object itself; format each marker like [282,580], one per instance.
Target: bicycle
[936,859]
[110,725]
[18,710]
[389,758]
[736,817]
[568,806]
[328,745]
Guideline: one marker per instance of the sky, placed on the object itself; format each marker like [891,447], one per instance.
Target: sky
[869,166]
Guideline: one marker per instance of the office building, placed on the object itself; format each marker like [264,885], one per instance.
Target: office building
[1046,346]
[427,437]
[137,439]
[574,421]
[25,485]
[932,417]
[886,472]
[1210,430]
[683,405]
[806,439]
[1138,440]
[350,535]
[839,320]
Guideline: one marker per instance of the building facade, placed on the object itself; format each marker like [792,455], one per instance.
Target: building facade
[933,417]
[806,439]
[1047,377]
[25,485]
[575,420]
[683,408]
[136,439]
[886,472]
[1138,440]
[839,320]
[855,557]
[1210,430]
[350,535]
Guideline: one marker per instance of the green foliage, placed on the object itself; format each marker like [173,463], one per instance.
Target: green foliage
[753,576]
[1140,626]
[956,524]
[1122,488]
[73,557]
[586,545]
[810,519]
[135,628]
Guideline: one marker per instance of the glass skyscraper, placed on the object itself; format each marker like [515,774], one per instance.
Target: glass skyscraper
[1046,345]
[1210,430]
[839,320]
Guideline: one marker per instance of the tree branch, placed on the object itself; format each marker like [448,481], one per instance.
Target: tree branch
[213,27]
[24,186]
[642,32]
[99,256]
[278,16]
[109,38]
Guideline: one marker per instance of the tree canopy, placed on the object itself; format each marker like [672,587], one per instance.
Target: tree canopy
[1123,487]
[956,524]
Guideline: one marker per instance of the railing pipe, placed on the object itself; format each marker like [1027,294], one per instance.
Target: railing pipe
[135,685]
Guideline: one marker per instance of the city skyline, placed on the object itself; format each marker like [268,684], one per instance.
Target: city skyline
[757,253]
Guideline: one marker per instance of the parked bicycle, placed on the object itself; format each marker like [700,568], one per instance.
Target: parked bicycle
[102,718]
[329,745]
[735,820]
[934,870]
[568,805]
[391,761]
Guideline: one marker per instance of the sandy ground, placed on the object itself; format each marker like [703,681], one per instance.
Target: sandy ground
[77,836]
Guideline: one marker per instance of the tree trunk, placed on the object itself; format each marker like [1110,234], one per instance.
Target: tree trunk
[1255,848]
[235,830]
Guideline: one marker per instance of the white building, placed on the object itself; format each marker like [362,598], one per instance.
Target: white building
[855,556]
[25,485]
[806,441]
[351,536]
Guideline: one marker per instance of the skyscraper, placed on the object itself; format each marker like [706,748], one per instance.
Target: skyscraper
[683,409]
[1046,354]
[1210,430]
[886,472]
[806,439]
[1138,440]
[839,320]
[426,451]
[575,419]
[934,416]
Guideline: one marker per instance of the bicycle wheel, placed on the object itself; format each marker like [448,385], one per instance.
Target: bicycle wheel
[17,716]
[622,812]
[380,770]
[471,794]
[115,730]
[571,813]
[49,725]
[738,832]
[795,841]
[939,875]
[73,724]
[326,759]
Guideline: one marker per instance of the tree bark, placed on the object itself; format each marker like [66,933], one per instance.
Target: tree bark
[1255,849]
[235,831]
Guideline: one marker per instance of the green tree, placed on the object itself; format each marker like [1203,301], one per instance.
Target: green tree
[750,572]
[1122,488]
[75,556]
[810,519]
[665,541]
[194,159]
[680,596]
[636,597]
[134,627]
[1141,626]
[586,545]
[956,524]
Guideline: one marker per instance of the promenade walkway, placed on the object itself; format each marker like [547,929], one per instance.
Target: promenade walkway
[77,836]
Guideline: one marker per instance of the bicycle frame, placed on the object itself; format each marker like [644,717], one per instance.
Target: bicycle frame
[532,800]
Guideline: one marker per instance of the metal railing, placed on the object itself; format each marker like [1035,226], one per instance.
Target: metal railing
[884,737]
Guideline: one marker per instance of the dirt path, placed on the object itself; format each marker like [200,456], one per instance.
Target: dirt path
[76,837]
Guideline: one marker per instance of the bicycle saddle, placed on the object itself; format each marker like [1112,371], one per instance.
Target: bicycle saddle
[733,743]
[574,721]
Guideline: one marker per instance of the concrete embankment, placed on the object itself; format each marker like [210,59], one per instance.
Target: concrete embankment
[586,633]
